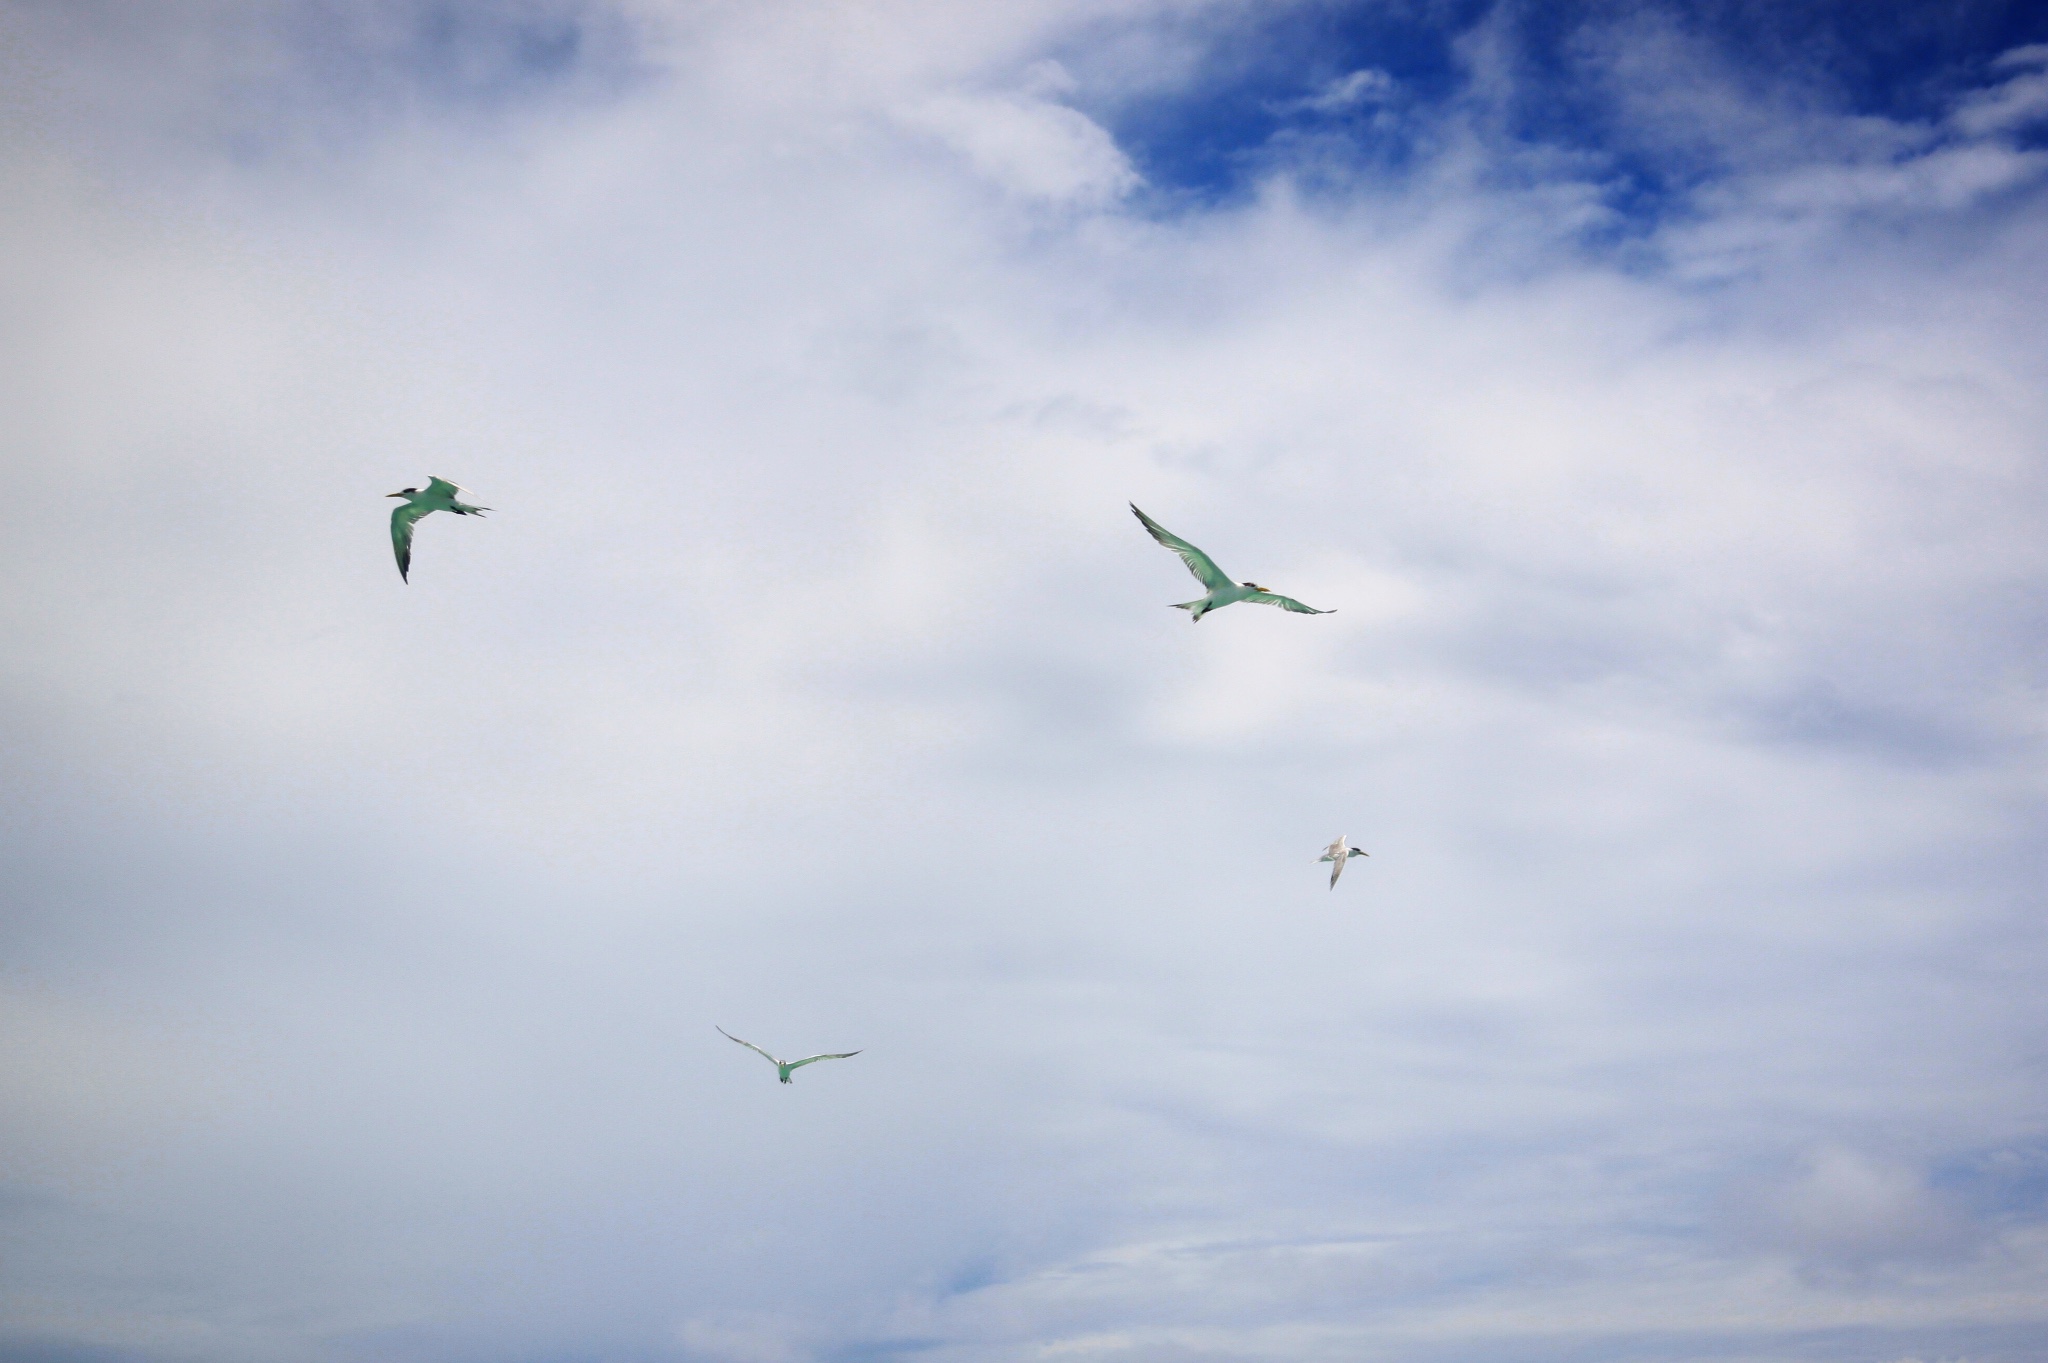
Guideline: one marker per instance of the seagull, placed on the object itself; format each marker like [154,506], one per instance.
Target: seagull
[438,495]
[1222,591]
[783,1067]
[1340,854]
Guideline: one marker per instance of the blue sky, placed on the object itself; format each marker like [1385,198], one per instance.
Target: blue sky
[1657,396]
[1280,76]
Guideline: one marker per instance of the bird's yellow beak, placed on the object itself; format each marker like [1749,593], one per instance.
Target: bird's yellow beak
[394,494]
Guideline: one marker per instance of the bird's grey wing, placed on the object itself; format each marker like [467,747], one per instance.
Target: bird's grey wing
[749,1045]
[1337,869]
[1286,603]
[1200,564]
[402,519]
[442,487]
[843,1055]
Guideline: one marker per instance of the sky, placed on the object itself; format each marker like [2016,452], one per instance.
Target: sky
[1657,393]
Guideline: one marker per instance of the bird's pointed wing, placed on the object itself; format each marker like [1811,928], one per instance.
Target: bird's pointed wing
[1286,603]
[445,493]
[402,519]
[843,1055]
[1337,869]
[442,488]
[1200,564]
[749,1045]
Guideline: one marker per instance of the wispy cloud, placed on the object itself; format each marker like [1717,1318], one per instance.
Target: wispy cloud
[811,678]
[2015,102]
[1346,92]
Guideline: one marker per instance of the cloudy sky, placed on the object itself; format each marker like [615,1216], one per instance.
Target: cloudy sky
[1657,392]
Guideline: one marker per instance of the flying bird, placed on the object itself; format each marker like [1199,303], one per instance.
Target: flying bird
[783,1067]
[1222,591]
[437,495]
[1340,854]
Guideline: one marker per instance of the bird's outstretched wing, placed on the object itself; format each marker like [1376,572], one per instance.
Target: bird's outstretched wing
[843,1055]
[1200,564]
[446,497]
[749,1045]
[1286,603]
[402,519]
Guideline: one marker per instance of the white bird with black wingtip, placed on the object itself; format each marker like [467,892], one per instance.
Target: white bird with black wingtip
[1222,590]
[437,495]
[1339,852]
[783,1067]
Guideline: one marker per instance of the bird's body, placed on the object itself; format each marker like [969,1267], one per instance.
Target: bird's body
[1222,590]
[783,1067]
[1339,852]
[437,495]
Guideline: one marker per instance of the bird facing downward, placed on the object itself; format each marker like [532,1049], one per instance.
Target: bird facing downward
[437,495]
[783,1067]
[1222,591]
[1339,853]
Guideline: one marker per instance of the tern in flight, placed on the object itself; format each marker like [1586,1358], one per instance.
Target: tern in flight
[437,495]
[783,1067]
[1340,854]
[1222,591]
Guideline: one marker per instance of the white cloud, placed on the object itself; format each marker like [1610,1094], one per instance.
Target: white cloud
[812,678]
[2020,100]
[1364,86]
[1031,147]
[1849,1213]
